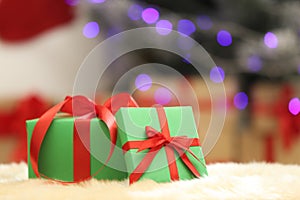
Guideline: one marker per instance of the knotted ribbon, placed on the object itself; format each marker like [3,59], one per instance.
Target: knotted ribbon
[155,142]
[84,110]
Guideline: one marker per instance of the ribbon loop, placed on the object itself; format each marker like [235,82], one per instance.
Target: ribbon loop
[155,141]
[84,108]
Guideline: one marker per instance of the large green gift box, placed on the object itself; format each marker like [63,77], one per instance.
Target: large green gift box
[56,157]
[132,123]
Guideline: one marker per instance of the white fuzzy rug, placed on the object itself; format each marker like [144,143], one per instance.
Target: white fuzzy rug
[225,181]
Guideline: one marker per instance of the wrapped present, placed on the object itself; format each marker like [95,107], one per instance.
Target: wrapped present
[226,148]
[198,95]
[161,144]
[77,147]
[273,127]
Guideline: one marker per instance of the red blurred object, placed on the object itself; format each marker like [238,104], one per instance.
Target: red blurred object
[288,124]
[13,123]
[20,20]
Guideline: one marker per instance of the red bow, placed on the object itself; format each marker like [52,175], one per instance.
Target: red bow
[156,140]
[85,110]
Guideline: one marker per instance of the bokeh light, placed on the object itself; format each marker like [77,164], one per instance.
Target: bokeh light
[70,2]
[240,100]
[91,30]
[254,63]
[150,15]
[298,69]
[162,96]
[294,106]
[164,27]
[271,40]
[143,82]
[217,74]
[224,38]
[186,27]
[204,22]
[135,12]
[97,1]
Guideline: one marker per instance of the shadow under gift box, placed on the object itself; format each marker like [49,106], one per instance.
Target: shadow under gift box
[131,127]
[56,158]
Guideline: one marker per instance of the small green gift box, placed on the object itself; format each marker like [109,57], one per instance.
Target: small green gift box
[160,143]
[78,147]
[57,154]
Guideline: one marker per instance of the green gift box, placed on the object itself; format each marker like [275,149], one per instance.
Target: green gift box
[132,130]
[56,157]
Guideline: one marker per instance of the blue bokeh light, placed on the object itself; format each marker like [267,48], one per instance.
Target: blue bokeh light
[162,96]
[186,27]
[217,74]
[97,1]
[135,12]
[91,30]
[143,82]
[150,15]
[240,100]
[204,22]
[294,106]
[254,63]
[271,40]
[164,27]
[224,38]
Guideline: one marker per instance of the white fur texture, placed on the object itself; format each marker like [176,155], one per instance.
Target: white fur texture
[225,181]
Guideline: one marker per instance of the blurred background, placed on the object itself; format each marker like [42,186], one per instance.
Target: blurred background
[255,45]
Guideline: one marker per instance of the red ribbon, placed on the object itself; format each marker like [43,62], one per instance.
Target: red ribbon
[155,142]
[288,124]
[85,110]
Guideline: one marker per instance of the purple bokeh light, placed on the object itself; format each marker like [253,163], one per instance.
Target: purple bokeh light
[150,15]
[70,2]
[143,82]
[135,12]
[164,27]
[186,27]
[254,63]
[240,100]
[91,30]
[298,69]
[224,38]
[294,106]
[217,74]
[97,1]
[204,22]
[162,96]
[271,40]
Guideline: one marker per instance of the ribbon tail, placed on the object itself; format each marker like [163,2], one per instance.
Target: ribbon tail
[107,117]
[190,165]
[39,133]
[172,164]
[144,164]
[187,161]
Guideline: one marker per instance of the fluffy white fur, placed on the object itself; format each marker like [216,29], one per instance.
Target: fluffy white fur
[225,181]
